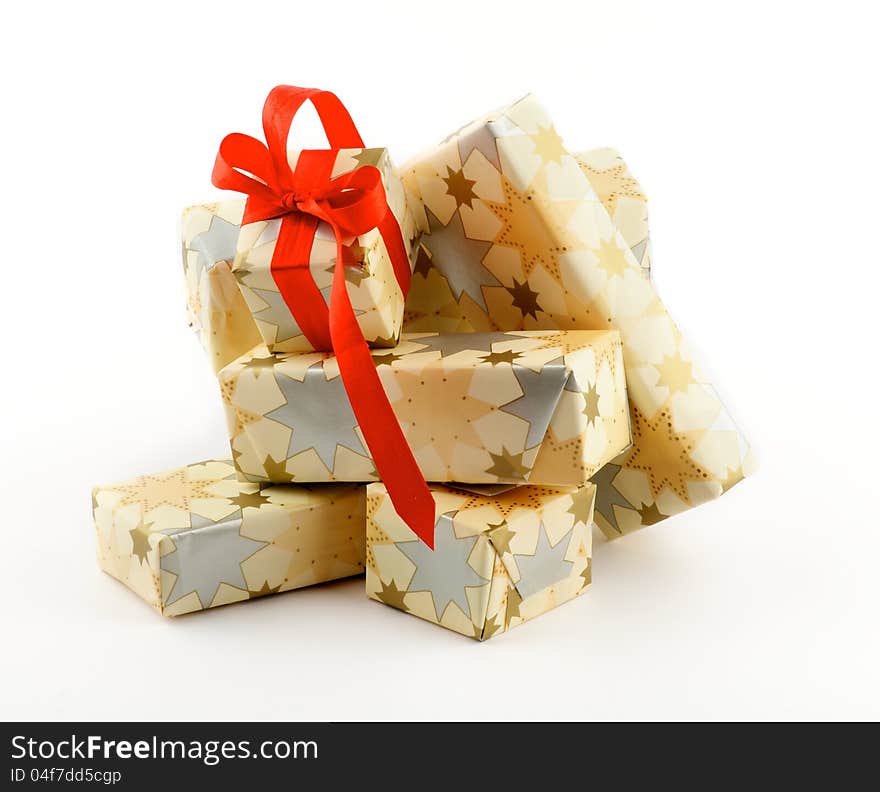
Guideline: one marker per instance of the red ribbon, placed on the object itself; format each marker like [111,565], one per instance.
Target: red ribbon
[351,204]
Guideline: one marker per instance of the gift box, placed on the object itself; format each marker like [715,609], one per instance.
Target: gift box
[546,408]
[622,197]
[373,289]
[216,308]
[196,537]
[514,237]
[498,560]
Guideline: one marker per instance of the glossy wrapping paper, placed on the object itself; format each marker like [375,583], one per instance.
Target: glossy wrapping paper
[498,561]
[196,537]
[544,408]
[515,237]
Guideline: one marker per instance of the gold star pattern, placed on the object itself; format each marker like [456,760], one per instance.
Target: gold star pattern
[240,417]
[263,591]
[173,489]
[612,259]
[246,500]
[591,407]
[587,573]
[664,454]
[582,505]
[460,187]
[524,298]
[140,540]
[260,364]
[418,411]
[611,184]
[650,514]
[386,358]
[276,471]
[548,144]
[676,373]
[369,156]
[492,628]
[391,595]
[501,357]
[511,610]
[500,535]
[507,465]
[524,228]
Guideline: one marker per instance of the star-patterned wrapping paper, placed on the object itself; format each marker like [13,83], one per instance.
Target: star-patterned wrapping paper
[546,408]
[372,286]
[498,559]
[514,237]
[196,537]
[215,305]
[622,197]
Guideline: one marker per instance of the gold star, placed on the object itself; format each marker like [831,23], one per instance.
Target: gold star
[664,454]
[174,489]
[612,259]
[676,373]
[260,364]
[734,476]
[460,187]
[591,408]
[501,357]
[582,504]
[263,590]
[491,628]
[507,466]
[249,499]
[514,600]
[525,228]
[500,536]
[369,156]
[548,144]
[391,595]
[386,358]
[612,183]
[140,540]
[276,471]
[524,298]
[650,514]
[587,573]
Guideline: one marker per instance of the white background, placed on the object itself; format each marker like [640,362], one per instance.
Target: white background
[753,130]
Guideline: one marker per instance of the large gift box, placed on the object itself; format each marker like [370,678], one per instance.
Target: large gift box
[515,237]
[498,560]
[544,408]
[197,537]
[375,294]
[215,305]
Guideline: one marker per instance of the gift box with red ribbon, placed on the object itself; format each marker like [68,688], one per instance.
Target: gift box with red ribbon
[546,408]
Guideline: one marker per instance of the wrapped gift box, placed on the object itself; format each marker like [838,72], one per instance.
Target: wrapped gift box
[498,559]
[215,305]
[514,237]
[197,537]
[622,197]
[546,408]
[372,287]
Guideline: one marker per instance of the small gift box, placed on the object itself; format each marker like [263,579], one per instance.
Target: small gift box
[215,306]
[515,237]
[498,560]
[375,294]
[546,408]
[197,537]
[622,197]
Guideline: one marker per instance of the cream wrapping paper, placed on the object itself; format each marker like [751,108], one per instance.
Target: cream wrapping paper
[546,408]
[498,560]
[196,537]
[514,237]
[372,286]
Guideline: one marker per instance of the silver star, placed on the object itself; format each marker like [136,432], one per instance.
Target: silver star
[444,571]
[218,243]
[206,557]
[459,258]
[277,313]
[319,413]
[546,567]
[607,495]
[540,393]
[453,343]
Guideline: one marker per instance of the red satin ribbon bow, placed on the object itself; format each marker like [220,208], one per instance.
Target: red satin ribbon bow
[351,204]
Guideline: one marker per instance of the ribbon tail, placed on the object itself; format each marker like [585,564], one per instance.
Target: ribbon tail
[391,453]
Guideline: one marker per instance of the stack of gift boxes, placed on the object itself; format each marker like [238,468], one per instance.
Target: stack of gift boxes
[539,382]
